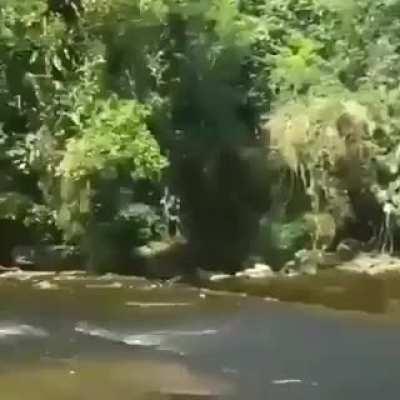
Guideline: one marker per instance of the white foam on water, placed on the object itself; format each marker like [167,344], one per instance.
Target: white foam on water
[292,381]
[146,340]
[286,381]
[143,340]
[159,339]
[188,333]
[13,330]
[156,305]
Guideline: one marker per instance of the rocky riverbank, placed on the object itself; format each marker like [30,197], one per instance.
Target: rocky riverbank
[346,279]
[369,282]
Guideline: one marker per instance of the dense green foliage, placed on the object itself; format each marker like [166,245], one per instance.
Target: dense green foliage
[335,116]
[97,96]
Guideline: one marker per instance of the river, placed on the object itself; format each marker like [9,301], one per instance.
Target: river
[74,337]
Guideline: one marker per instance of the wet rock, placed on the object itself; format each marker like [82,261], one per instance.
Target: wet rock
[112,285]
[307,261]
[259,271]
[47,257]
[371,264]
[310,262]
[204,275]
[160,260]
[46,285]
[20,275]
[152,249]
[328,260]
[348,249]
[219,277]
[332,288]
[289,269]
[71,275]
[8,269]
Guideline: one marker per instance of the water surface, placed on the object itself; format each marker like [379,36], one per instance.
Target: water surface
[76,337]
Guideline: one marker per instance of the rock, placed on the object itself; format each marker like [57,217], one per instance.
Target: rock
[71,275]
[219,277]
[328,260]
[348,249]
[55,257]
[23,256]
[259,271]
[112,285]
[160,260]
[152,249]
[204,275]
[20,275]
[9,269]
[371,264]
[311,261]
[307,261]
[309,269]
[289,269]
[46,285]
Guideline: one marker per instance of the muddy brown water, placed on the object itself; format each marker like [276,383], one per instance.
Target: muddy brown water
[75,337]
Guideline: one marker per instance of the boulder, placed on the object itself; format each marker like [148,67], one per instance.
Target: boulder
[310,262]
[206,276]
[307,261]
[161,260]
[259,271]
[47,257]
[289,269]
[371,264]
[151,249]
[46,285]
[348,249]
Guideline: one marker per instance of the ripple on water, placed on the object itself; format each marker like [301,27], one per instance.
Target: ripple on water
[8,330]
[160,339]
[145,340]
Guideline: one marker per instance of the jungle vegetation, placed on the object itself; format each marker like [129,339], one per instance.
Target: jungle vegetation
[258,127]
